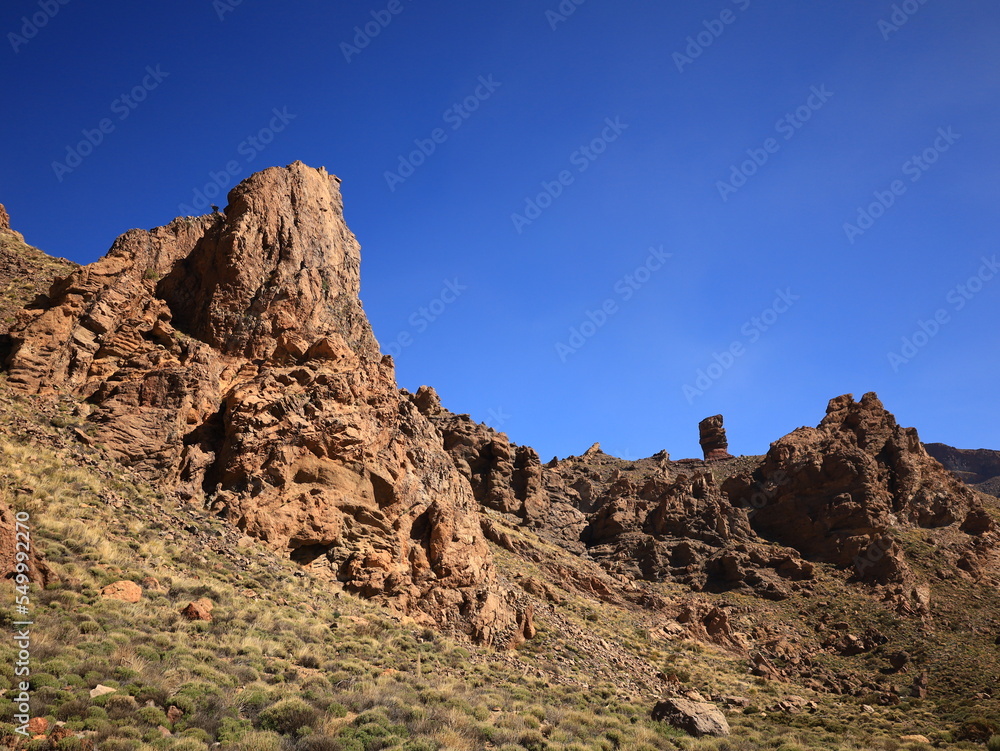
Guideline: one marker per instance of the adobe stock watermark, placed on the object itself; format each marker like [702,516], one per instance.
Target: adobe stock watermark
[31,25]
[714,28]
[123,106]
[249,149]
[421,319]
[22,622]
[956,298]
[581,158]
[455,116]
[900,16]
[624,289]
[787,127]
[562,12]
[751,331]
[915,167]
[224,7]
[364,34]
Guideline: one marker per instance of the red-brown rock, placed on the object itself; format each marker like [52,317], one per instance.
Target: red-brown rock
[712,437]
[38,571]
[229,356]
[834,492]
[125,591]
[200,610]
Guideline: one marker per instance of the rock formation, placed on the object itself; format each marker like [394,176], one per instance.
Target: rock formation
[4,218]
[838,492]
[504,477]
[229,356]
[712,437]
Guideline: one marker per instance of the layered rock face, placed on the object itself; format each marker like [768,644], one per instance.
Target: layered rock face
[837,492]
[229,355]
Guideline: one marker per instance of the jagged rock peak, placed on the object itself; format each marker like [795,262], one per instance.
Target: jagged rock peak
[279,267]
[836,490]
[4,218]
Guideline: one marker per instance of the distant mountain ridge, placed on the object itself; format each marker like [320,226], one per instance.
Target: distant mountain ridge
[980,468]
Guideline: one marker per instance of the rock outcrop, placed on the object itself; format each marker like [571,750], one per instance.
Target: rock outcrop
[229,356]
[712,437]
[693,717]
[4,218]
[504,477]
[838,492]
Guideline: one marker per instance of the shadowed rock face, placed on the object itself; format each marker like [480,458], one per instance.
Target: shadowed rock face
[230,356]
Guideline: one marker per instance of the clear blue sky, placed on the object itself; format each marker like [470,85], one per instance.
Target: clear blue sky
[864,99]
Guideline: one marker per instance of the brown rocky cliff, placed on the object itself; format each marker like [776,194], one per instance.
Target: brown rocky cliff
[837,492]
[229,356]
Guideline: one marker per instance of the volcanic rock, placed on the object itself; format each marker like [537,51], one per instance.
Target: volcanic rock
[504,476]
[229,356]
[979,468]
[712,437]
[835,492]
[125,591]
[4,218]
[696,718]
[199,610]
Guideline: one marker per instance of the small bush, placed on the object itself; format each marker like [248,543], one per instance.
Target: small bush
[287,716]
[993,744]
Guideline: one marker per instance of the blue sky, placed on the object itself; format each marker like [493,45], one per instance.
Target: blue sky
[633,215]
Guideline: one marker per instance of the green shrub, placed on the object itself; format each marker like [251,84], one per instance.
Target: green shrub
[259,741]
[993,744]
[287,716]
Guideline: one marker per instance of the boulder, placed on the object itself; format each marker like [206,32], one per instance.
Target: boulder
[199,610]
[693,717]
[125,591]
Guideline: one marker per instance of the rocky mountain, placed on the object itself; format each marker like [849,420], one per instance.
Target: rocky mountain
[980,468]
[227,361]
[228,356]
